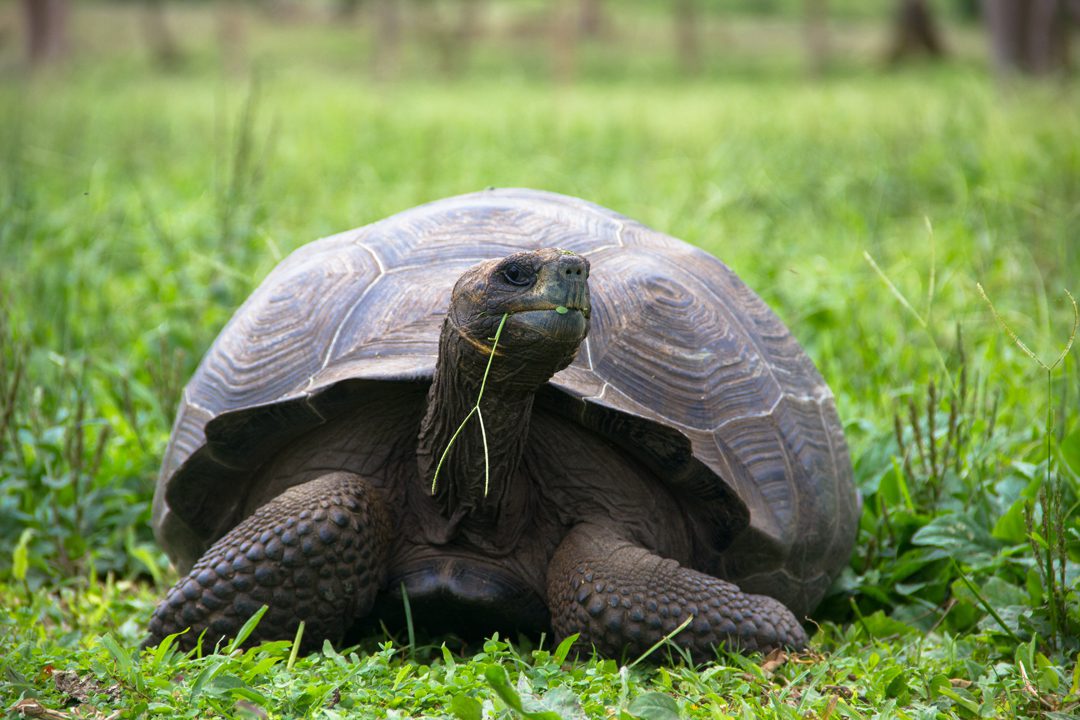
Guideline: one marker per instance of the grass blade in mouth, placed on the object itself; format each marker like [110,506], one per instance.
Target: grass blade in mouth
[475,411]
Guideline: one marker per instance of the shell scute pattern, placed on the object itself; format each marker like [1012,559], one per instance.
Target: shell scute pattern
[672,372]
[278,335]
[793,369]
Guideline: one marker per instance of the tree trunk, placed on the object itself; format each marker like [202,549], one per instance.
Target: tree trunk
[816,15]
[591,19]
[1048,29]
[452,38]
[1028,37]
[347,10]
[564,41]
[159,38]
[686,36]
[46,30]
[232,38]
[387,45]
[915,32]
[467,30]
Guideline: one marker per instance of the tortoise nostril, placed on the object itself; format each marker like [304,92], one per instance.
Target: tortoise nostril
[573,265]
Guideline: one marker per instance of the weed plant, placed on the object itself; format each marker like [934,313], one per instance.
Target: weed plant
[138,210]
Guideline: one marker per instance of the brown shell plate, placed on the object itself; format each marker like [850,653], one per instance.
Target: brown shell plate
[684,367]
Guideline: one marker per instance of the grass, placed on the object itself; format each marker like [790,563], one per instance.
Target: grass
[137,210]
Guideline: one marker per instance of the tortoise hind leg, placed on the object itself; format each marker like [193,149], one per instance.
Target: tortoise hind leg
[317,553]
[623,598]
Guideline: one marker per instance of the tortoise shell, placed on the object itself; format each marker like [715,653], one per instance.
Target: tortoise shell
[684,368]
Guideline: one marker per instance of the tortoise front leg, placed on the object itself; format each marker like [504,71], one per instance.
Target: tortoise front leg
[623,598]
[316,553]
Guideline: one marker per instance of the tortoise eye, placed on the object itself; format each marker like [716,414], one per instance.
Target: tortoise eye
[517,275]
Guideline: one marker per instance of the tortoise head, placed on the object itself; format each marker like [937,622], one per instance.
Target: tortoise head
[544,295]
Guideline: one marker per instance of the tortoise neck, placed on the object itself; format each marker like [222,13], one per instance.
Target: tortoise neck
[478,463]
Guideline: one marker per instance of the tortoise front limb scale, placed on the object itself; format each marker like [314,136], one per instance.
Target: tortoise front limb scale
[316,553]
[621,597]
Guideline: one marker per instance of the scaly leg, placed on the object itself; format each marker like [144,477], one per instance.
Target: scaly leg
[623,598]
[316,553]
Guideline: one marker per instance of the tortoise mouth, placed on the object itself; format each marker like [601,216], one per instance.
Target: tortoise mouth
[558,322]
[558,309]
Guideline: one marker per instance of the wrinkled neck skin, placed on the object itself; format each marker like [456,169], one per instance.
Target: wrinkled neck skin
[506,407]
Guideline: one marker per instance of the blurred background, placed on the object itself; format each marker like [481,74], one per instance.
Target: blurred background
[563,40]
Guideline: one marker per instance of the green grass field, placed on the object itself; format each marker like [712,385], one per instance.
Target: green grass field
[139,208]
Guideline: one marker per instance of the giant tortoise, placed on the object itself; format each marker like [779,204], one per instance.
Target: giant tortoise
[651,445]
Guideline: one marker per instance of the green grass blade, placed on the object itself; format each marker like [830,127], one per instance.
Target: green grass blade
[475,410]
[409,621]
[446,451]
[895,290]
[491,357]
[245,631]
[295,646]
[119,654]
[685,624]
[983,601]
[20,557]
[483,439]
[564,648]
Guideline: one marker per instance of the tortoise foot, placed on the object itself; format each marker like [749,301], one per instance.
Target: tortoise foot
[316,553]
[622,598]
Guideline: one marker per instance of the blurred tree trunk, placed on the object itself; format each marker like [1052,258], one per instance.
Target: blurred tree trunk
[232,38]
[469,28]
[453,37]
[387,41]
[284,11]
[591,20]
[915,32]
[816,29]
[46,30]
[159,38]
[564,41]
[347,9]
[686,36]
[1028,37]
